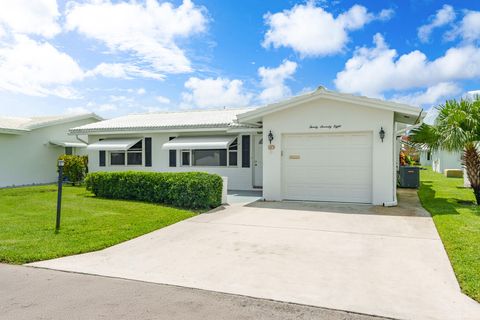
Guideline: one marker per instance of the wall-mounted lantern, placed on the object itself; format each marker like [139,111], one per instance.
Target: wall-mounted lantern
[382,134]
[270,136]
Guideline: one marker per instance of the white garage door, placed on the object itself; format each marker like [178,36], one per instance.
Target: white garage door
[328,167]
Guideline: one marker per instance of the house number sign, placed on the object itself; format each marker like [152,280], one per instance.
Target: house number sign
[326,126]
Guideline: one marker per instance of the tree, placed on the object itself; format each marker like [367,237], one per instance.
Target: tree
[457,128]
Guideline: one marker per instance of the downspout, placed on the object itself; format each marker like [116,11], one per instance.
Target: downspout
[76,136]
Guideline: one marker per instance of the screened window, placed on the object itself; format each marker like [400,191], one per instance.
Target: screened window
[133,156]
[209,158]
[117,158]
[185,158]
[233,153]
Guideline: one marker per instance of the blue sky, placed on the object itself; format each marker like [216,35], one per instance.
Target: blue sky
[120,57]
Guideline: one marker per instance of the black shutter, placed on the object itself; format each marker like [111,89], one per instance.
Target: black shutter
[246,151]
[101,156]
[148,152]
[172,156]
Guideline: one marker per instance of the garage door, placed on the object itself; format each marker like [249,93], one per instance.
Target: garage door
[327,167]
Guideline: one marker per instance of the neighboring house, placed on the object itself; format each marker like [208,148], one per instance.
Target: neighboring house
[320,146]
[442,160]
[31,146]
[439,159]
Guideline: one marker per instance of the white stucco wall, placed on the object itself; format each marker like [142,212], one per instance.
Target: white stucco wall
[238,178]
[29,158]
[424,161]
[352,118]
[442,160]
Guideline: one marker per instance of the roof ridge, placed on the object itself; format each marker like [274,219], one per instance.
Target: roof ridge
[188,111]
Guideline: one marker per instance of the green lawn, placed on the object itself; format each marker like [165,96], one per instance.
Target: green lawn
[458,223]
[27,222]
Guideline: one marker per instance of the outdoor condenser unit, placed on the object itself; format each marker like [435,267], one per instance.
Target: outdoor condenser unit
[409,177]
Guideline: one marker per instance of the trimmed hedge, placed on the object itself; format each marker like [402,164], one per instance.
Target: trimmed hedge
[193,190]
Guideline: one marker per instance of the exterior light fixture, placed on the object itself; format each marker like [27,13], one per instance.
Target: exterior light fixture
[270,137]
[60,164]
[382,134]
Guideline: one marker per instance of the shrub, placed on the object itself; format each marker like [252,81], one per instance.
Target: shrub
[194,190]
[74,168]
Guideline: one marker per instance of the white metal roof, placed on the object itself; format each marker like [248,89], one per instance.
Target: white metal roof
[17,125]
[214,142]
[114,144]
[165,120]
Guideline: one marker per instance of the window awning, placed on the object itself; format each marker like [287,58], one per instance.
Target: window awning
[215,142]
[113,144]
[68,144]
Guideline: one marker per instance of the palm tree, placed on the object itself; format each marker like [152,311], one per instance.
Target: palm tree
[457,128]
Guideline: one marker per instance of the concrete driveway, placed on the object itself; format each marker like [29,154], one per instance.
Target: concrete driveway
[373,260]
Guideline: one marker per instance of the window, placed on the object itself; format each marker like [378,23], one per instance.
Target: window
[132,156]
[68,150]
[185,157]
[209,158]
[429,155]
[233,153]
[117,158]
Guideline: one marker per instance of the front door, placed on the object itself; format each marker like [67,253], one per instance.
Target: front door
[257,161]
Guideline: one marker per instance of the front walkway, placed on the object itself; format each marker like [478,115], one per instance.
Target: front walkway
[373,260]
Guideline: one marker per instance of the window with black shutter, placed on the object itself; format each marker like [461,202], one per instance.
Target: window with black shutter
[172,161]
[148,152]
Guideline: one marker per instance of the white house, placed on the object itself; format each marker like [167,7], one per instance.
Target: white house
[320,146]
[31,146]
[439,160]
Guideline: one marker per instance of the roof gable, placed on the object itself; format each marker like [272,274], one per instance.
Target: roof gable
[322,93]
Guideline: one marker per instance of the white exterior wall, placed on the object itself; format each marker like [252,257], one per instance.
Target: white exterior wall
[29,158]
[424,161]
[238,178]
[352,118]
[442,160]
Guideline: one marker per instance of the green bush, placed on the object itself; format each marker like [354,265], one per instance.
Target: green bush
[74,168]
[194,190]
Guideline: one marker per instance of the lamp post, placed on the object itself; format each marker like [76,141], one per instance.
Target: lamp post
[59,195]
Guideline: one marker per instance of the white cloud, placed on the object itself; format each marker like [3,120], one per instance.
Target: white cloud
[107,107]
[312,31]
[37,68]
[141,91]
[386,14]
[77,110]
[433,95]
[442,17]
[468,29]
[273,81]
[162,100]
[371,71]
[27,16]
[472,94]
[149,31]
[213,93]
[123,71]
